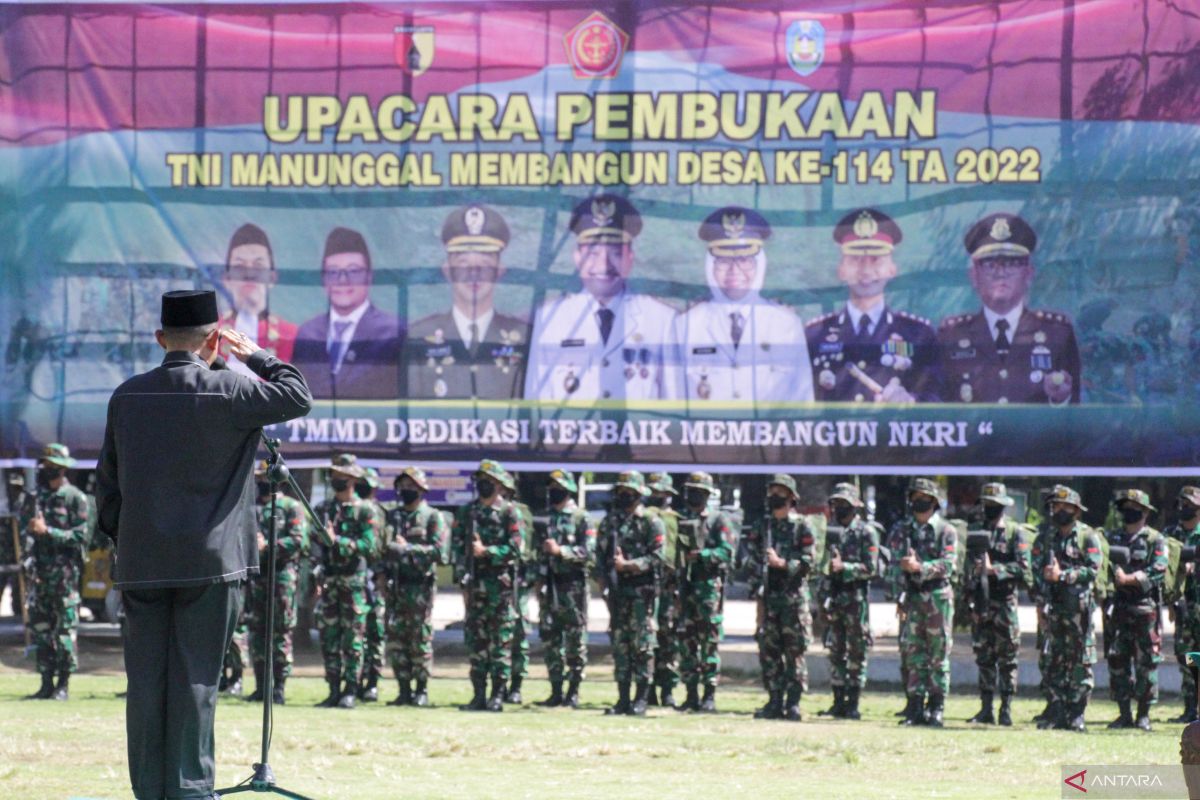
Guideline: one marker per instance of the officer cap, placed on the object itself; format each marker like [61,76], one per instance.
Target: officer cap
[475,229]
[188,308]
[1190,494]
[867,232]
[249,234]
[564,479]
[995,493]
[371,477]
[58,455]
[786,481]
[735,231]
[416,475]
[925,486]
[848,492]
[1065,494]
[1000,236]
[699,480]
[605,219]
[344,240]
[1135,496]
[632,479]
[491,469]
[347,464]
[661,482]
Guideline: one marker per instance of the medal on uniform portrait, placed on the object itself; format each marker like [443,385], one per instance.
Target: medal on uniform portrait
[571,383]
[629,373]
[965,393]
[1036,376]
[439,388]
[1040,358]
[703,390]
[1040,337]
[827,379]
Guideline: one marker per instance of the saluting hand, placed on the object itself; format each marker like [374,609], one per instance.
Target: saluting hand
[240,345]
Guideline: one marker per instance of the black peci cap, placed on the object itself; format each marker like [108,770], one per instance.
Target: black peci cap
[189,308]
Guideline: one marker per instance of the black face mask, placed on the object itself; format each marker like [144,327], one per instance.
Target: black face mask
[339,484]
[697,498]
[409,496]
[992,512]
[485,488]
[555,495]
[1132,515]
[661,501]
[1063,517]
[843,514]
[921,506]
[775,502]
[47,474]
[624,501]
[363,490]
[1187,512]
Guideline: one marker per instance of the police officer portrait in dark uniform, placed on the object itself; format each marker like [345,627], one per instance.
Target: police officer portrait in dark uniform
[869,351]
[1007,352]
[175,490]
[470,351]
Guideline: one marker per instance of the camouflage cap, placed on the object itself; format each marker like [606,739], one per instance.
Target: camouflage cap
[414,474]
[508,481]
[699,480]
[1065,494]
[346,464]
[925,486]
[58,455]
[995,493]
[661,482]
[786,481]
[1135,496]
[632,479]
[564,479]
[371,477]
[848,492]
[492,469]
[1191,494]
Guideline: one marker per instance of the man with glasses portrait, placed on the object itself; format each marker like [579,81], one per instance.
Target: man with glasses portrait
[351,351]
[1007,352]
[249,276]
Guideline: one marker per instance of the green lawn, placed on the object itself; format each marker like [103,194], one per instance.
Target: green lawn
[77,749]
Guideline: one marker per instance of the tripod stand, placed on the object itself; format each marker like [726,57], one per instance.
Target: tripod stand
[263,779]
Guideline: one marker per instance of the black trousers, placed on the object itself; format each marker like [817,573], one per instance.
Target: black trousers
[175,641]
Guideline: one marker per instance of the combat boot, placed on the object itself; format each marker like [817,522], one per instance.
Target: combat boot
[420,695]
[478,701]
[692,703]
[61,691]
[851,709]
[46,690]
[1143,715]
[622,706]
[370,692]
[652,696]
[234,687]
[1052,717]
[792,706]
[1044,714]
[773,709]
[334,694]
[556,696]
[915,713]
[572,698]
[1124,719]
[405,696]
[514,693]
[257,695]
[1189,710]
[709,704]
[839,704]
[1076,722]
[935,711]
[985,715]
[277,695]
[1005,717]
[495,703]
[638,708]
[349,695]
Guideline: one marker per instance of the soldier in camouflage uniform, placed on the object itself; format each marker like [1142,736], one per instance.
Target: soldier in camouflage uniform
[56,524]
[851,565]
[348,540]
[237,654]
[527,575]
[782,543]
[995,627]
[922,575]
[629,554]
[666,651]
[702,593]
[487,540]
[1186,612]
[368,689]
[1136,612]
[421,541]
[1066,563]
[291,547]
[567,549]
[10,548]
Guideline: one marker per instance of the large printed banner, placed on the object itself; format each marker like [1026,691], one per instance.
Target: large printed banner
[880,236]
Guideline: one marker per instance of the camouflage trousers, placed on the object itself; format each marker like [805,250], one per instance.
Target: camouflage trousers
[927,640]
[489,627]
[376,633]
[520,646]
[996,639]
[901,635]
[1187,640]
[237,654]
[1134,656]
[283,596]
[783,638]
[700,630]
[666,650]
[634,612]
[53,607]
[563,629]
[1070,651]
[849,636]
[410,628]
[342,624]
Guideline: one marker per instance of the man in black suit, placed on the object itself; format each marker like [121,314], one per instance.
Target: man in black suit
[352,351]
[174,490]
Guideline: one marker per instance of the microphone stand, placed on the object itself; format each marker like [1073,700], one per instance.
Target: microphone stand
[263,778]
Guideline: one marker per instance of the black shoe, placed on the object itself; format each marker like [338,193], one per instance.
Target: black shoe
[556,696]
[692,703]
[514,693]
[405,696]
[1189,711]
[652,696]
[46,690]
[1005,717]
[349,696]
[61,691]
[420,697]
[666,698]
[839,704]
[277,695]
[935,711]
[709,704]
[914,713]
[479,700]
[622,706]
[1143,716]
[773,709]
[1124,719]
[334,694]
[792,705]
[985,715]
[1044,714]
[572,698]
[638,707]
[1076,723]
[256,696]
[1052,717]
[369,693]
[850,711]
[495,703]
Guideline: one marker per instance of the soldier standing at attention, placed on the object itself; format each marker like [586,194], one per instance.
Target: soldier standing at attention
[58,524]
[368,688]
[629,554]
[923,581]
[666,650]
[702,593]
[420,541]
[527,577]
[852,564]
[1186,613]
[567,550]
[783,542]
[487,538]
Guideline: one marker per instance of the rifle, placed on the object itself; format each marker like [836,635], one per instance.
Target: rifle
[468,578]
[542,533]
[1118,556]
[689,537]
[764,579]
[833,544]
[978,544]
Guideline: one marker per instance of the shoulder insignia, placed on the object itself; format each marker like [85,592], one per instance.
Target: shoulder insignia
[821,319]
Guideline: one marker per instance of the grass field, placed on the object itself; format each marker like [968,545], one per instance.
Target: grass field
[77,749]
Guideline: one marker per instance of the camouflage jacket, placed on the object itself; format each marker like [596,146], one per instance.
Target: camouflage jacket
[1080,566]
[714,541]
[1011,556]
[640,538]
[936,546]
[426,542]
[792,541]
[66,512]
[500,529]
[1148,560]
[291,530]
[356,529]
[859,552]
[572,529]
[1190,537]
